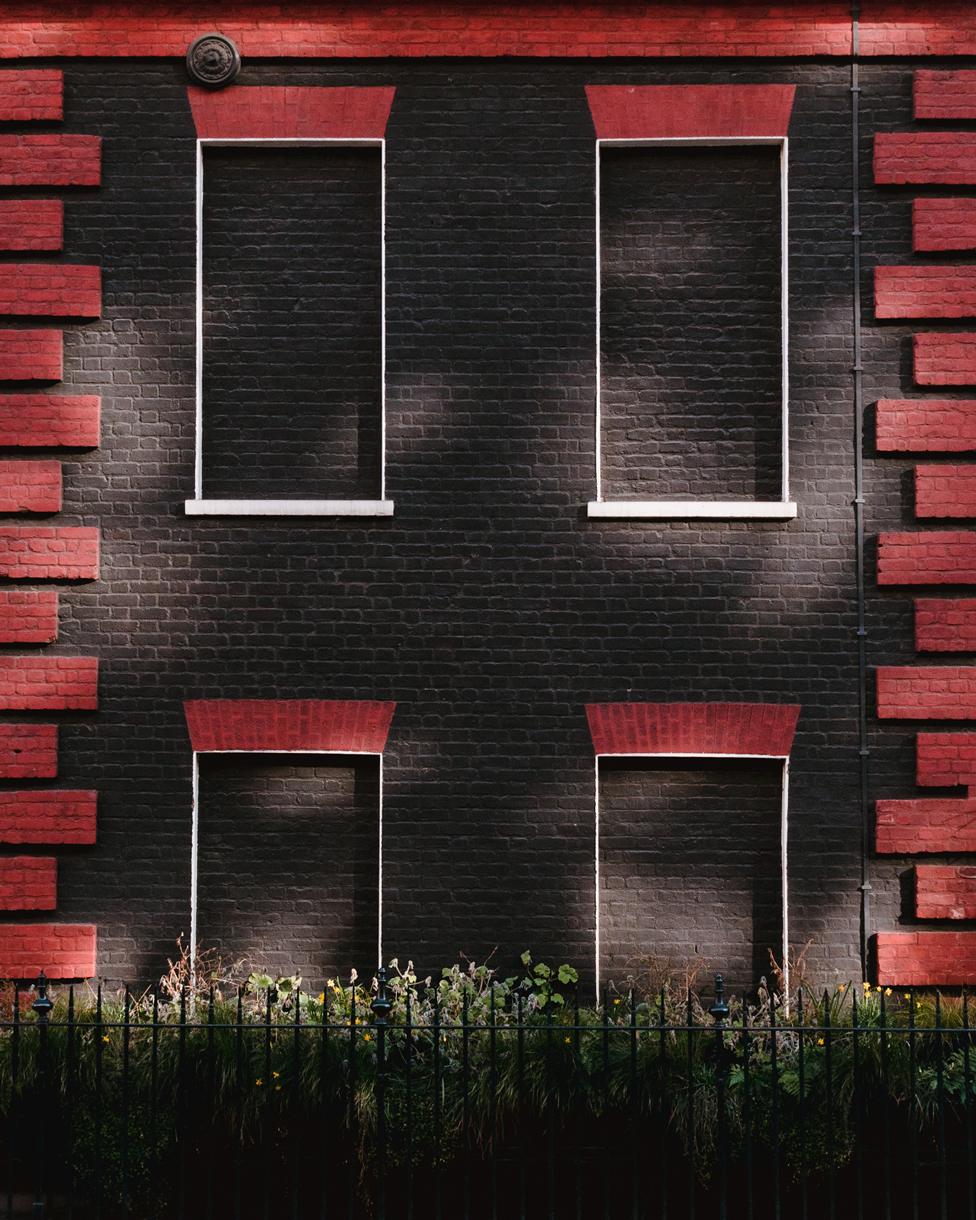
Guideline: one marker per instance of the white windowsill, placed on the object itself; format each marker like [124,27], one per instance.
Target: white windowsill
[288,508]
[689,510]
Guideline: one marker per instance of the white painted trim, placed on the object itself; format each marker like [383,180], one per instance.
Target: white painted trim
[784,760]
[698,509]
[201,507]
[690,510]
[288,508]
[195,835]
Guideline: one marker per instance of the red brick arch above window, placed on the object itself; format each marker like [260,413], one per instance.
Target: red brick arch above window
[744,729]
[689,112]
[291,112]
[341,726]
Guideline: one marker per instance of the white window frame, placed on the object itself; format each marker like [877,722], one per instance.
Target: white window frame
[783,509]
[202,506]
[195,833]
[784,759]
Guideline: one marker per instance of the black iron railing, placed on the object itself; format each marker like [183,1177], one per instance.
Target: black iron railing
[856,1105]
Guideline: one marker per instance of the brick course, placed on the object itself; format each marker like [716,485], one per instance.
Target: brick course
[47,817]
[945,692]
[944,359]
[28,616]
[50,160]
[938,158]
[925,425]
[50,289]
[945,491]
[945,95]
[925,292]
[945,760]
[944,891]
[28,883]
[55,420]
[62,552]
[936,557]
[30,487]
[944,224]
[30,355]
[925,959]
[46,683]
[27,94]
[31,224]
[916,826]
[61,950]
[28,751]
[946,624]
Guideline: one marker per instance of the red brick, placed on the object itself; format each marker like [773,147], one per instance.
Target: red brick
[28,751]
[944,891]
[30,487]
[945,760]
[925,959]
[925,292]
[636,112]
[31,93]
[28,616]
[61,950]
[926,692]
[353,726]
[50,289]
[906,828]
[945,491]
[946,624]
[48,817]
[46,683]
[931,425]
[944,224]
[935,157]
[945,95]
[693,728]
[30,355]
[38,552]
[936,557]
[31,224]
[945,359]
[292,112]
[61,421]
[28,883]
[50,160]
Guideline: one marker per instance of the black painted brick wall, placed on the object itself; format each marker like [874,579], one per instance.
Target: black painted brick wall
[489,606]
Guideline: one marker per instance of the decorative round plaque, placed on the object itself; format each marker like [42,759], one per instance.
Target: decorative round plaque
[213,60]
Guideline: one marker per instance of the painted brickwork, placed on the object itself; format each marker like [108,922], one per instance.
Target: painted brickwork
[28,883]
[50,289]
[944,891]
[62,950]
[28,616]
[48,817]
[31,224]
[30,355]
[944,224]
[28,751]
[56,552]
[30,487]
[45,683]
[49,420]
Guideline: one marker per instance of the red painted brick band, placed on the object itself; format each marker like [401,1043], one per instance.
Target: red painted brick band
[50,160]
[944,224]
[945,491]
[45,683]
[936,557]
[945,624]
[36,552]
[926,692]
[645,112]
[906,828]
[945,760]
[30,487]
[31,224]
[925,292]
[945,95]
[48,817]
[291,112]
[934,425]
[765,729]
[61,950]
[334,725]
[28,883]
[944,891]
[28,751]
[28,94]
[934,158]
[50,289]
[50,420]
[945,359]
[30,355]
[28,616]
[925,959]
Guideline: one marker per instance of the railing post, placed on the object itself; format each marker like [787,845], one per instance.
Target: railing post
[381,1006]
[42,1011]
[719,1012]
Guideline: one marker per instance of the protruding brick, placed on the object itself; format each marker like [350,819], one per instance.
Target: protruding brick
[945,359]
[940,158]
[29,94]
[944,224]
[31,224]
[934,425]
[45,683]
[30,355]
[61,950]
[945,624]
[937,557]
[30,487]
[28,751]
[925,959]
[944,891]
[51,290]
[926,692]
[945,491]
[28,616]
[907,828]
[48,817]
[50,160]
[49,552]
[28,883]
[50,420]
[945,760]
[945,95]
[925,292]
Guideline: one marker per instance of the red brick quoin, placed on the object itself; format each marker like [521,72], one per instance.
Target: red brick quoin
[50,289]
[45,683]
[944,359]
[925,292]
[945,891]
[905,828]
[936,557]
[50,160]
[944,224]
[936,158]
[28,883]
[30,487]
[30,355]
[945,491]
[945,95]
[47,817]
[28,94]
[61,950]
[31,224]
[28,616]
[28,751]
[49,552]
[945,760]
[931,425]
[945,692]
[925,959]
[55,420]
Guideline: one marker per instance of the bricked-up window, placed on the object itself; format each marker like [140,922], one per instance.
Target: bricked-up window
[692,354]
[290,371]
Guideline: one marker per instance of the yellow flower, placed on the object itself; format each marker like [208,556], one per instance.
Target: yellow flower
[887,991]
[105,1037]
[616,1001]
[275,1075]
[259,1082]
[567,1041]
[820,1042]
[322,997]
[877,989]
[841,986]
[908,995]
[866,986]
[367,1038]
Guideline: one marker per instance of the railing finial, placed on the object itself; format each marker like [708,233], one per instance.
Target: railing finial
[382,1003]
[43,1004]
[719,1011]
